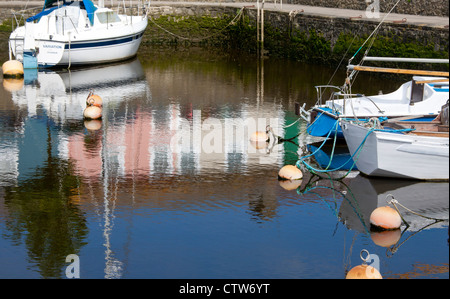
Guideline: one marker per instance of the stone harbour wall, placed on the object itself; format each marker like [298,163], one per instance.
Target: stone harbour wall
[328,27]
[414,7]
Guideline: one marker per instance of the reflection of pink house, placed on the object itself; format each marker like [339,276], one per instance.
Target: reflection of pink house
[137,141]
[88,162]
[132,146]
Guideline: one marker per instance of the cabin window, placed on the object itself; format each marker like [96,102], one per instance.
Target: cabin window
[107,17]
[416,92]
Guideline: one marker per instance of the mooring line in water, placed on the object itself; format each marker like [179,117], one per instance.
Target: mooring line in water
[236,18]
[395,202]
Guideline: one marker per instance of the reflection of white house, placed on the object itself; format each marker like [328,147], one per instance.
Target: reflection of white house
[136,138]
[9,159]
[161,142]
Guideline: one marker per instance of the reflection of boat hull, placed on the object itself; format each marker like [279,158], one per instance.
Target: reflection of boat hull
[327,157]
[63,94]
[428,199]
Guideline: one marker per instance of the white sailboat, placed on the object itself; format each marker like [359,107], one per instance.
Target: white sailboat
[76,33]
[423,95]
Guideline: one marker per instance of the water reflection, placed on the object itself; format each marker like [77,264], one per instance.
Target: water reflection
[167,182]
[56,167]
[423,205]
[429,199]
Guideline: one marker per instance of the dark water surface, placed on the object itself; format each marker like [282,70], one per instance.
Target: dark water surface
[167,184]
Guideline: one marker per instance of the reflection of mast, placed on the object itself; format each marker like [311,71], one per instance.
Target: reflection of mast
[113,266]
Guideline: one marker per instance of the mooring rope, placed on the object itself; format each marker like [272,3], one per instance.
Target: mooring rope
[316,170]
[395,202]
[235,19]
[375,127]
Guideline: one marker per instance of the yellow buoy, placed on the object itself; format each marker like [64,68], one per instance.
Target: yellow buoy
[92,112]
[12,69]
[385,218]
[290,172]
[363,272]
[94,100]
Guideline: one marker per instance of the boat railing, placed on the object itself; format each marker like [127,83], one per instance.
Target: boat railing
[19,17]
[336,94]
[321,91]
[133,9]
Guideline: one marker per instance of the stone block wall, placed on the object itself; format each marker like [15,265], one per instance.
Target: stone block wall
[329,27]
[415,7]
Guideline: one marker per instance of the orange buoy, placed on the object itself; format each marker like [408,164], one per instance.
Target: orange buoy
[385,218]
[94,100]
[259,136]
[363,272]
[13,84]
[93,124]
[12,69]
[290,172]
[290,185]
[92,112]
[386,238]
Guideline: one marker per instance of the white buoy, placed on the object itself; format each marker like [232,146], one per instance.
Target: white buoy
[12,68]
[92,112]
[290,172]
[385,218]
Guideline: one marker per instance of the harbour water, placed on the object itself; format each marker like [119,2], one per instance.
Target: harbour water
[168,185]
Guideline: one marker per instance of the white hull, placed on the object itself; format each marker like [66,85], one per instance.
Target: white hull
[66,36]
[111,51]
[396,155]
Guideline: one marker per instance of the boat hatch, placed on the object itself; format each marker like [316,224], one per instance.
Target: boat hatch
[107,17]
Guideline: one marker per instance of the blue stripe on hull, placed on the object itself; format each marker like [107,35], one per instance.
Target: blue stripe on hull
[103,42]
